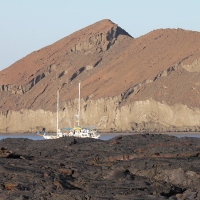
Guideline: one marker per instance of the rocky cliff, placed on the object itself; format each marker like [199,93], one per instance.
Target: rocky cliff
[150,83]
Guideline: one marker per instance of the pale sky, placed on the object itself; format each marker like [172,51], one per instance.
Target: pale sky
[29,25]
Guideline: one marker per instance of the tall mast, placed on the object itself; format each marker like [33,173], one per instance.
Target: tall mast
[79,108]
[57,110]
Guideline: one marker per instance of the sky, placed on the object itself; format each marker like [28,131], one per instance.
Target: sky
[29,25]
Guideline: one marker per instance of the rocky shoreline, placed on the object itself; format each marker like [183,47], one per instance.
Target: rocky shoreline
[142,166]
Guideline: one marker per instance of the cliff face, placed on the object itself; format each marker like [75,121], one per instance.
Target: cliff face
[150,83]
[138,116]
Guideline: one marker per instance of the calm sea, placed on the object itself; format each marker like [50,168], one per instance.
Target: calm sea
[104,136]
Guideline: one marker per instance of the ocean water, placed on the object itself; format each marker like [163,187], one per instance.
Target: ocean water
[104,136]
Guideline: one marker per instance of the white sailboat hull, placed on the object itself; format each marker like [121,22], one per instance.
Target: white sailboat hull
[50,137]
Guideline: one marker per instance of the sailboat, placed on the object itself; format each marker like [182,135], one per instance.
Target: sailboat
[77,131]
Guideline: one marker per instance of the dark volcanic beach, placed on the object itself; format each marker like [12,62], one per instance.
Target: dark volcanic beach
[142,166]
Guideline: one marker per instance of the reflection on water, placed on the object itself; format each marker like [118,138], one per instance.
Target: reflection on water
[29,136]
[104,136]
[185,134]
[107,136]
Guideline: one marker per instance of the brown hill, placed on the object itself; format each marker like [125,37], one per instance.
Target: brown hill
[162,66]
[61,65]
